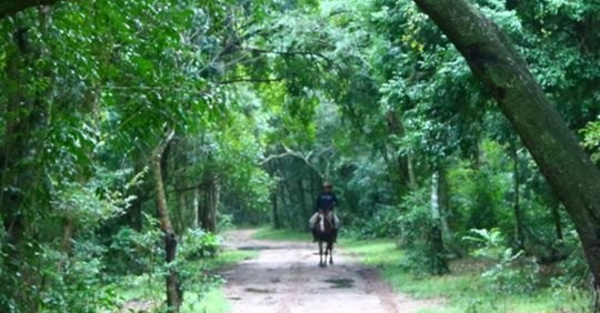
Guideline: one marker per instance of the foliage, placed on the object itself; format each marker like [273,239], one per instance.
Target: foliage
[132,252]
[514,273]
[385,223]
[591,139]
[490,243]
[417,237]
[465,289]
[197,244]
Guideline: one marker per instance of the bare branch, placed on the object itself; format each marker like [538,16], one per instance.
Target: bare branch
[291,52]
[296,154]
[250,80]
[273,157]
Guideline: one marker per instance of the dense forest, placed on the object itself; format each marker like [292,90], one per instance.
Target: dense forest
[132,132]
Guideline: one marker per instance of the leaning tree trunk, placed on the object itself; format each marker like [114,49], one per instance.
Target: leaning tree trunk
[174,292]
[494,60]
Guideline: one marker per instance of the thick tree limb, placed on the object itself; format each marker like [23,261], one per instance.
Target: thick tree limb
[9,7]
[494,60]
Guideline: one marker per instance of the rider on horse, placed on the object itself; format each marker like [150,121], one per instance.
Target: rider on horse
[326,202]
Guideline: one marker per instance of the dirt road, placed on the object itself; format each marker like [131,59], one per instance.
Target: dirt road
[286,278]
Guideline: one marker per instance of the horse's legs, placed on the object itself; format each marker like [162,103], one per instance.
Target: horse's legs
[321,253]
[330,248]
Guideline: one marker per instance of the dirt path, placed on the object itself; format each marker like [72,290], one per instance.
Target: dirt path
[285,278]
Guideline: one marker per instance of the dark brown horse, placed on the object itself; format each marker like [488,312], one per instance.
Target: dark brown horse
[325,233]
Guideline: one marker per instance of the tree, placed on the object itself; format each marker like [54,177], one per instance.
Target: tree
[493,59]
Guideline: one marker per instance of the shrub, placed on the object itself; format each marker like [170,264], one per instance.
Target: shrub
[198,244]
[418,232]
[513,272]
[133,252]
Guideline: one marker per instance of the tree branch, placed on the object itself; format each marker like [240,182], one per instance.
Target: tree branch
[249,80]
[296,154]
[291,52]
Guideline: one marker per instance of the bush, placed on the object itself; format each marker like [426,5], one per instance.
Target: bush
[133,252]
[418,232]
[198,244]
[513,271]
[385,223]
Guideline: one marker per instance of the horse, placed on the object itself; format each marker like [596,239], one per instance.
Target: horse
[325,232]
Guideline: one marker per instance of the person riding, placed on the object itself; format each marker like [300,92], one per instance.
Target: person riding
[326,202]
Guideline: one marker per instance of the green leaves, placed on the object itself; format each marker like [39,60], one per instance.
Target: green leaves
[591,139]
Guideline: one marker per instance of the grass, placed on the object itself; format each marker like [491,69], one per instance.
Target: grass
[268,233]
[464,291]
[213,301]
[228,257]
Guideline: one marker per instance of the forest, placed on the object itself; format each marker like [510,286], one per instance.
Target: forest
[135,133]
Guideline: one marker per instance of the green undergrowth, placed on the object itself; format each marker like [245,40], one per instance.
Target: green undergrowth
[203,294]
[268,233]
[464,290]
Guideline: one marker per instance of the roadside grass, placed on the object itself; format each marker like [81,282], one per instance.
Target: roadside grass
[148,290]
[269,233]
[465,290]
[226,257]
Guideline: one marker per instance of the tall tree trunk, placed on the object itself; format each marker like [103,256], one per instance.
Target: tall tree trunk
[174,292]
[302,198]
[494,60]
[412,179]
[204,221]
[275,210]
[519,230]
[404,171]
[196,204]
[212,190]
[216,199]
[440,266]
[134,214]
[558,229]
[180,213]
[285,202]
[25,117]
[444,201]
